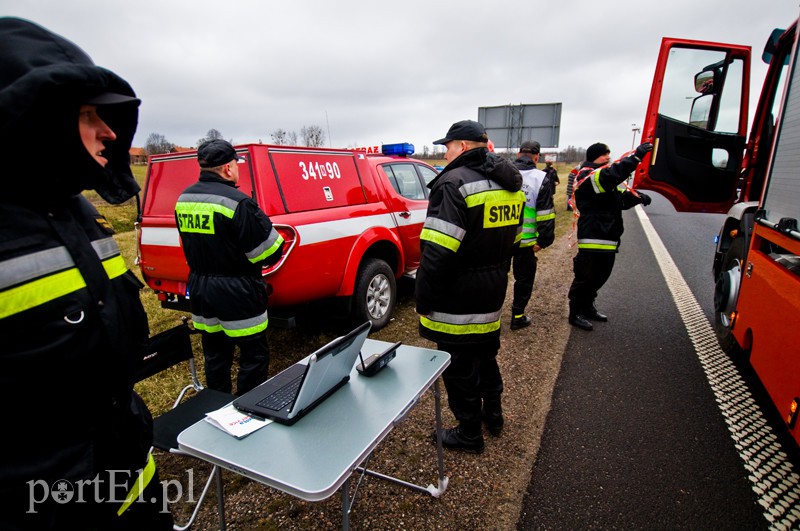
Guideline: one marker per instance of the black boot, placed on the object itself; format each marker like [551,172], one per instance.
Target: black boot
[519,320]
[576,319]
[492,414]
[592,314]
[457,439]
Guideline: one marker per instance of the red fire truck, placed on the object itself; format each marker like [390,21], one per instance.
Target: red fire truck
[351,221]
[703,161]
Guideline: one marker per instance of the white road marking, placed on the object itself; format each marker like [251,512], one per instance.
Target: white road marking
[771,473]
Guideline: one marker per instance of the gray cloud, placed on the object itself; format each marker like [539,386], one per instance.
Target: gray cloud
[371,72]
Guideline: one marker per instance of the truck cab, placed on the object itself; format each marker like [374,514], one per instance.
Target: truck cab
[351,221]
[704,161]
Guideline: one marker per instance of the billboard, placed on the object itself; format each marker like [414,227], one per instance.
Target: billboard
[510,125]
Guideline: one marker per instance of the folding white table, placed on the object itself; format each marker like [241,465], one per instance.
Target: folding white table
[318,454]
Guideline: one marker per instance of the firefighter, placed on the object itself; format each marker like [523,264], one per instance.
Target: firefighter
[538,229]
[472,228]
[226,239]
[72,325]
[600,198]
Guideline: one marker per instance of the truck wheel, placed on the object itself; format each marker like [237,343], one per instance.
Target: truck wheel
[375,293]
[726,294]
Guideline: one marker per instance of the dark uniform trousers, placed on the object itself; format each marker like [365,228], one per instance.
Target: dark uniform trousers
[524,267]
[592,269]
[473,382]
[253,360]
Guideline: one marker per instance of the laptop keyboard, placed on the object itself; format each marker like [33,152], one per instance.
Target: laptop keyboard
[283,396]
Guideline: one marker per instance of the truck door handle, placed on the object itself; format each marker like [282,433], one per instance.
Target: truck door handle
[405,214]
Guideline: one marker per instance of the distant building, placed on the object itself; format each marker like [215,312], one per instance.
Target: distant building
[138,155]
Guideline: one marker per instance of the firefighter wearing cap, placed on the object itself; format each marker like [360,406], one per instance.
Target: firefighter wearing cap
[226,239]
[471,230]
[538,229]
[72,325]
[600,200]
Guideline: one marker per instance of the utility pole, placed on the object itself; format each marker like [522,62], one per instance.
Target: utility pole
[635,130]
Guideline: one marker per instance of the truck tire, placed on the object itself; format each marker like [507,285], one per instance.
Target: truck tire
[375,293]
[726,294]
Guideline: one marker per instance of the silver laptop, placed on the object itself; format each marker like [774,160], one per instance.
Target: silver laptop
[290,394]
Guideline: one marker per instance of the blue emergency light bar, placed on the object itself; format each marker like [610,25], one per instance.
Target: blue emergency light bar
[398,149]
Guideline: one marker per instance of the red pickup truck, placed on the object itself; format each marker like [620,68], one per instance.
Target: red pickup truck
[351,221]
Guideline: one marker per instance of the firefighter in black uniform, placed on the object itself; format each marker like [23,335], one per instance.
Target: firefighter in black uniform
[77,435]
[226,239]
[472,228]
[600,200]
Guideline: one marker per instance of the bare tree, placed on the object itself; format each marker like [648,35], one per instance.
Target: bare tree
[157,143]
[279,137]
[291,138]
[212,134]
[313,136]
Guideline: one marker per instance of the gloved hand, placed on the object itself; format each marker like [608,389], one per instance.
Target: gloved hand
[643,150]
[644,197]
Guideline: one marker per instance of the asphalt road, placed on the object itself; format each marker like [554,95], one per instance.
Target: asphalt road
[635,438]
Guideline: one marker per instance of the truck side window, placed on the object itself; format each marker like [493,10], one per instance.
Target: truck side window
[392,179]
[427,174]
[408,183]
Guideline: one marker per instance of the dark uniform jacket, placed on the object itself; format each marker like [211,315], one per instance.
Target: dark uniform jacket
[472,228]
[600,201]
[226,238]
[72,326]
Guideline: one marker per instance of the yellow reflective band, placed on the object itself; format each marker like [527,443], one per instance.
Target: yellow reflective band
[433,236]
[241,332]
[600,246]
[115,267]
[32,294]
[493,196]
[459,330]
[268,252]
[546,217]
[142,481]
[596,181]
[38,292]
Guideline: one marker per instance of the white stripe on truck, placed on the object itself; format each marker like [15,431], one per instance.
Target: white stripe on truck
[308,234]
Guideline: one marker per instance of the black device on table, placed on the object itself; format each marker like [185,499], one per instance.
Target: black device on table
[376,362]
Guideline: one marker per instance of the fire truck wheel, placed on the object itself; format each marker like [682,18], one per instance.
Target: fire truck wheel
[375,293]
[726,293]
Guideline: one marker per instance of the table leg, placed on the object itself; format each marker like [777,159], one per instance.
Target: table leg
[346,504]
[220,499]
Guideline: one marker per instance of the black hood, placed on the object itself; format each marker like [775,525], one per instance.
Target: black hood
[494,167]
[44,78]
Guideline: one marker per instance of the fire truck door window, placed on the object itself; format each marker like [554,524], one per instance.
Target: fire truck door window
[716,104]
[408,183]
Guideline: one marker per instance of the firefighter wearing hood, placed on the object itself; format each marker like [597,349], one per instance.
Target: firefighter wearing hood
[73,328]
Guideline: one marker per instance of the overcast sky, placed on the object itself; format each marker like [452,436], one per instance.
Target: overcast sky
[382,72]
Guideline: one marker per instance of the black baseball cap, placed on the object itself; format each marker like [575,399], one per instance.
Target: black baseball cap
[110,98]
[465,130]
[216,153]
[530,146]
